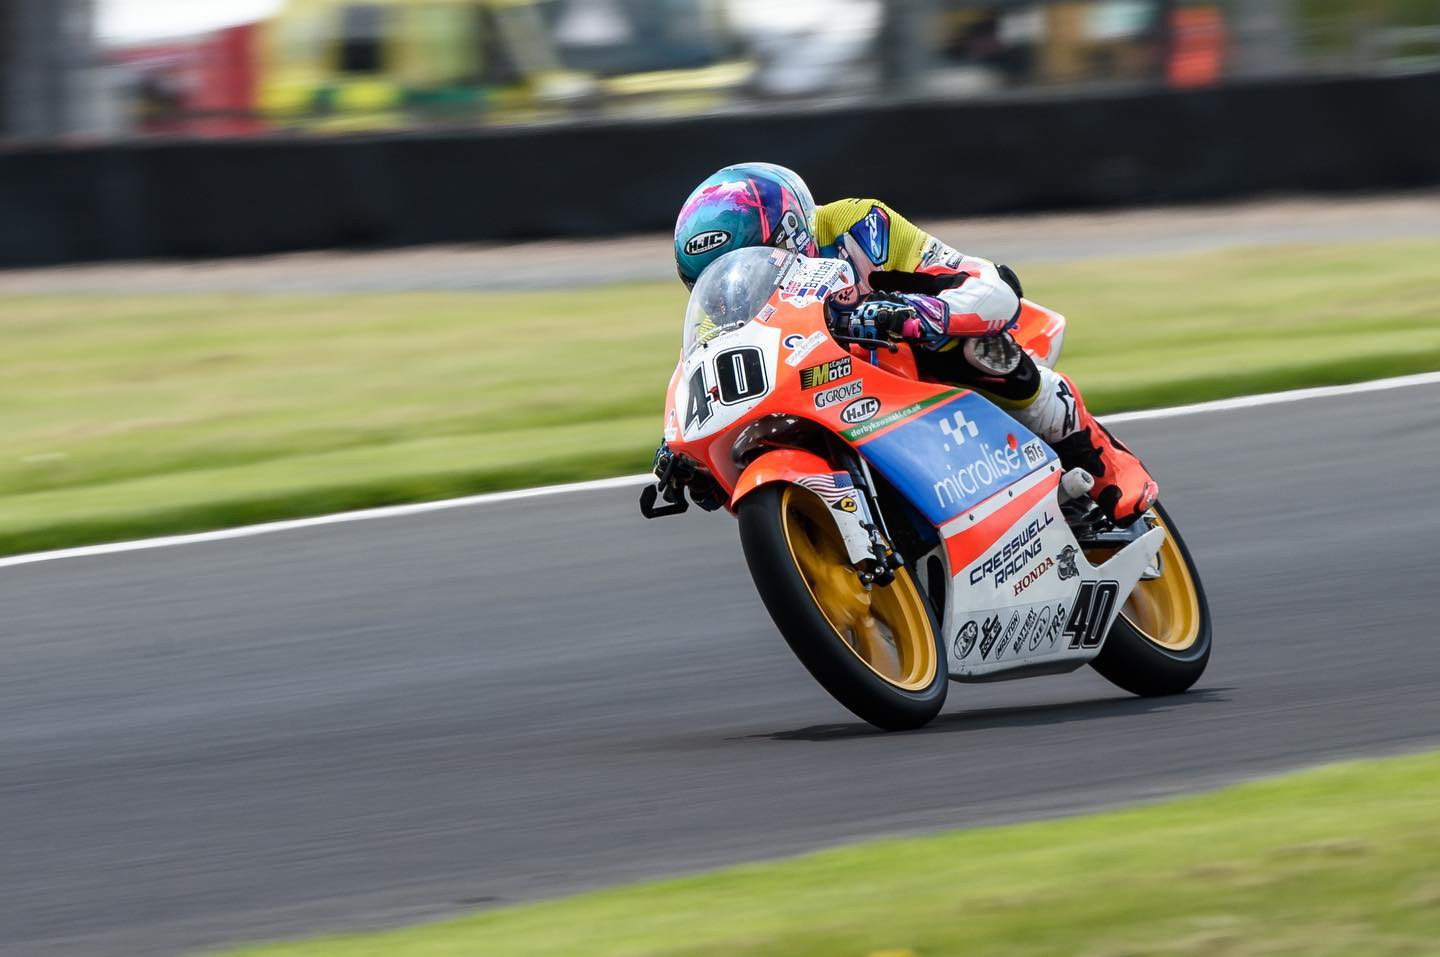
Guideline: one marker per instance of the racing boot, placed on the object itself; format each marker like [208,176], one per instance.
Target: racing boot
[1123,489]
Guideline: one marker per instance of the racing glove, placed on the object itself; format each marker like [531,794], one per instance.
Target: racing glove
[930,321]
[679,473]
[877,319]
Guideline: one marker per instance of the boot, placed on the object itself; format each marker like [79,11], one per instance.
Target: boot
[1123,489]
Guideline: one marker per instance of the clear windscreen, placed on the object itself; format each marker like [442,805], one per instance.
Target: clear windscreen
[731,291]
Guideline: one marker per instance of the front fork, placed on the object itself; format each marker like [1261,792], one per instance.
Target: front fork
[883,560]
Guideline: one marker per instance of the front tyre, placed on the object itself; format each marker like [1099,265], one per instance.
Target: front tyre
[878,652]
[1160,642]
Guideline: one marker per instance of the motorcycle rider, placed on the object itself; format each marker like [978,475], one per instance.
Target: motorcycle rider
[957,309]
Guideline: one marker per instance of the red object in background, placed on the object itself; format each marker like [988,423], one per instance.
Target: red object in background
[1197,47]
[228,82]
[205,86]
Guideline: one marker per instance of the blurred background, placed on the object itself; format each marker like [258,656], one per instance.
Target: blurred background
[135,68]
[266,260]
[131,128]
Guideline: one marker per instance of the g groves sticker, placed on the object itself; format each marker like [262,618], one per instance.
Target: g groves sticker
[840,393]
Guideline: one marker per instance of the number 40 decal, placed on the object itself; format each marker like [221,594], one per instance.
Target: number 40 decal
[739,377]
[1093,605]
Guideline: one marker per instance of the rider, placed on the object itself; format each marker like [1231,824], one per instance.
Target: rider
[911,286]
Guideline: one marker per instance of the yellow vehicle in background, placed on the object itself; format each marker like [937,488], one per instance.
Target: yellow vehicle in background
[341,65]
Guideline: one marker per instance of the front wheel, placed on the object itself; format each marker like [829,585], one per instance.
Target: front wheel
[877,651]
[1160,642]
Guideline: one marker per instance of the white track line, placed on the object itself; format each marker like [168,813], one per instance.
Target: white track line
[1278,398]
[629,481]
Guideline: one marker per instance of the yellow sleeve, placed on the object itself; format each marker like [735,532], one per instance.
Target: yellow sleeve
[907,242]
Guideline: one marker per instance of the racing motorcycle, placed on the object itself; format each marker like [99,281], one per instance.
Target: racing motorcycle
[904,533]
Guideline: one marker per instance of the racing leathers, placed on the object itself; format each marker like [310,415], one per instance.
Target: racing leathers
[958,310]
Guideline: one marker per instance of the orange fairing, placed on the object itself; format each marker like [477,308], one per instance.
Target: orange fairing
[779,381]
[1040,332]
[901,362]
[780,465]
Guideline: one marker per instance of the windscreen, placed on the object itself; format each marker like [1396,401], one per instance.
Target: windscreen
[731,291]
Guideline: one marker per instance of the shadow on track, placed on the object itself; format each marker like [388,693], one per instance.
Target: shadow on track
[1030,716]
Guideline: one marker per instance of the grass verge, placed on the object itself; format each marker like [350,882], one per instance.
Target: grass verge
[1337,861]
[131,416]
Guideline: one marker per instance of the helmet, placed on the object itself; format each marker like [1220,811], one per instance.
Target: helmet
[751,204]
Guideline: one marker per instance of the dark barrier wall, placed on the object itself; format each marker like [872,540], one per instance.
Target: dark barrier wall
[246,197]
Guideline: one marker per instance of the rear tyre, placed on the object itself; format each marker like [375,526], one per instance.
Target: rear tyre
[1160,642]
[877,652]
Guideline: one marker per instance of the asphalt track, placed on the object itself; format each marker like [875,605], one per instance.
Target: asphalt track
[392,720]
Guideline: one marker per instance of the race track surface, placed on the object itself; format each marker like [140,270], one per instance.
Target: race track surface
[393,720]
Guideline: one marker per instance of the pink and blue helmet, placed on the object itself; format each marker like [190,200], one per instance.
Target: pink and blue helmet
[749,204]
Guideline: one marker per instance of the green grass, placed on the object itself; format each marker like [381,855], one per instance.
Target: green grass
[130,416]
[1344,860]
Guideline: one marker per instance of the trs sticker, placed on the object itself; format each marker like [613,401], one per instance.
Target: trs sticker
[965,640]
[801,346]
[861,410]
[825,373]
[840,393]
[1056,625]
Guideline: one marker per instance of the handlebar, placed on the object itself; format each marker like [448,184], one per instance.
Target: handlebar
[866,343]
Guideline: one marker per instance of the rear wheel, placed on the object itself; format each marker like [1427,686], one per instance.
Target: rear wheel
[877,651]
[1160,642]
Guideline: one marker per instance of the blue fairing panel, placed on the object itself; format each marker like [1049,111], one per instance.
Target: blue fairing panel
[955,456]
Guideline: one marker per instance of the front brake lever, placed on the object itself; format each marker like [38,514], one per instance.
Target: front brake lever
[675,495]
[647,503]
[867,343]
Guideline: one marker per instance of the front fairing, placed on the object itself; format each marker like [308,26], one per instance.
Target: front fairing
[784,365]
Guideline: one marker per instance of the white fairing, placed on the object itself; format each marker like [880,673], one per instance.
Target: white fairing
[732,373]
[1032,603]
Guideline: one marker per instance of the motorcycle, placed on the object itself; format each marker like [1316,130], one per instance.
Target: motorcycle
[904,533]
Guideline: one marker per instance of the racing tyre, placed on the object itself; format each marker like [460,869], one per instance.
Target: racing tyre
[1160,642]
[878,652]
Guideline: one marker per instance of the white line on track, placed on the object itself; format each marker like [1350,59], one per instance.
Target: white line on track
[629,481]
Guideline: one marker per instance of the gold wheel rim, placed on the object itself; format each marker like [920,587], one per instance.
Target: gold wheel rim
[1166,610]
[885,627]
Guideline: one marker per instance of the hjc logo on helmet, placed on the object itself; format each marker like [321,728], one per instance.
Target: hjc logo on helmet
[706,241]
